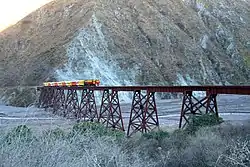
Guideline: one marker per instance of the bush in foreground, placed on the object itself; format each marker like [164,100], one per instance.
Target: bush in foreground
[93,147]
[20,133]
[205,120]
[96,129]
[58,149]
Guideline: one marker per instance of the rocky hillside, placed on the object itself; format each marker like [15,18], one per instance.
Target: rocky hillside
[130,42]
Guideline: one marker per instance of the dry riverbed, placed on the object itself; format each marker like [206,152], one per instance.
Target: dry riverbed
[232,108]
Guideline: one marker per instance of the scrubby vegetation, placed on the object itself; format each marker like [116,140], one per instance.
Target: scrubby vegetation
[18,96]
[91,144]
[205,120]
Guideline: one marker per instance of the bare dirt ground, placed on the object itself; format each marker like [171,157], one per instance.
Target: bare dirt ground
[231,108]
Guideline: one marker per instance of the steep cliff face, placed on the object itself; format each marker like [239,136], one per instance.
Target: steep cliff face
[130,42]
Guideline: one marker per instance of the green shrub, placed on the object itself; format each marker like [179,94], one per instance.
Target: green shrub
[157,135]
[19,134]
[195,122]
[97,129]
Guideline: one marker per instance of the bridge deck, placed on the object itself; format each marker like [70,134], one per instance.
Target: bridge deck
[240,90]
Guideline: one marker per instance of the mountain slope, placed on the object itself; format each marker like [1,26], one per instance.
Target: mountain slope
[130,42]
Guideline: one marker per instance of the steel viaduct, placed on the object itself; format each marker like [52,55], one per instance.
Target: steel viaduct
[79,102]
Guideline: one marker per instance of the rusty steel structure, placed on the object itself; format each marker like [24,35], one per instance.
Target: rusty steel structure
[143,115]
[80,103]
[110,111]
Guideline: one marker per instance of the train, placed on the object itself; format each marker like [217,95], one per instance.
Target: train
[92,82]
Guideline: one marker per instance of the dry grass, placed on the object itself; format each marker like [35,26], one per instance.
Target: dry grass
[211,146]
[208,147]
[53,149]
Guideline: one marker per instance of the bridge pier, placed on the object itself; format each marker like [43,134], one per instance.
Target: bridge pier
[212,104]
[71,104]
[41,99]
[46,98]
[87,106]
[193,106]
[143,115]
[110,111]
[58,101]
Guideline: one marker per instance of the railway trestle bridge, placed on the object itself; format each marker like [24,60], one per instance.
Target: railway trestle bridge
[79,102]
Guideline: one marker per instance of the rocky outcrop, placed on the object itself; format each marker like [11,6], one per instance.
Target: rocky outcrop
[126,42]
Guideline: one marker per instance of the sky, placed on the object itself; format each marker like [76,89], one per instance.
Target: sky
[11,11]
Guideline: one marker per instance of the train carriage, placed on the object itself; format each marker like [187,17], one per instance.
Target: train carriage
[93,82]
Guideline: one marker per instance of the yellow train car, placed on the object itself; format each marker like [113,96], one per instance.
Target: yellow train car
[93,82]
